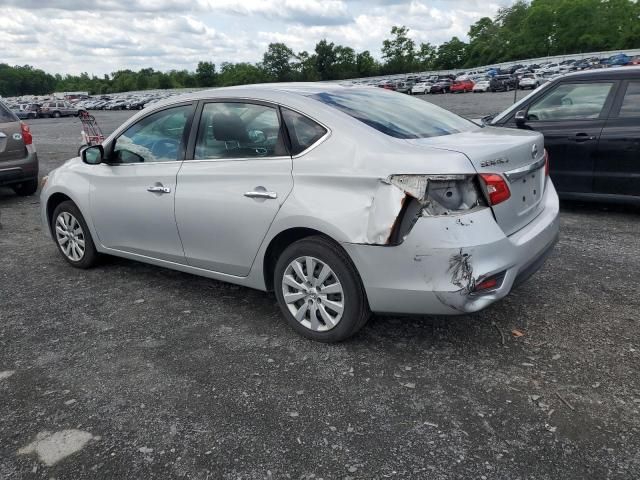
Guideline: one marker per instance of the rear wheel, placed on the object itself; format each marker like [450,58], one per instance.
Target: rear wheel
[27,188]
[319,290]
[56,115]
[72,236]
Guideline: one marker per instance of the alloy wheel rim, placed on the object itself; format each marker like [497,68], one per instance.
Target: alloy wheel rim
[70,236]
[313,293]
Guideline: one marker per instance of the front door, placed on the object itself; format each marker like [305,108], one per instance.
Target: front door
[571,117]
[132,194]
[231,190]
[618,162]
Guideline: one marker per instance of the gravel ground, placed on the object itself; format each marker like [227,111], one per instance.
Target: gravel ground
[132,371]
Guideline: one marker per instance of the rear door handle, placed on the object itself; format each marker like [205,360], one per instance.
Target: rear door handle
[159,189]
[261,194]
[583,137]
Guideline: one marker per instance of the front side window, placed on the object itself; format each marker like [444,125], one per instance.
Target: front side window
[631,102]
[156,138]
[239,130]
[400,116]
[303,131]
[571,101]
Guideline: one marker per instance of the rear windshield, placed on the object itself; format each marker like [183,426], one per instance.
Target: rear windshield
[394,114]
[6,115]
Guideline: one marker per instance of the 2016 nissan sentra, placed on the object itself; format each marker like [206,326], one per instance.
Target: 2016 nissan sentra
[342,200]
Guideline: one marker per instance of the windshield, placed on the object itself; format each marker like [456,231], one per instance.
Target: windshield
[397,115]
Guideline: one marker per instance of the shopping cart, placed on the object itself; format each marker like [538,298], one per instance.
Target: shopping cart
[91,133]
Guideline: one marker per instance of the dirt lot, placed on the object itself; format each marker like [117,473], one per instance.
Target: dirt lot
[139,372]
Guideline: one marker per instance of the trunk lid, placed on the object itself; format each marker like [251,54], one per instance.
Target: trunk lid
[517,155]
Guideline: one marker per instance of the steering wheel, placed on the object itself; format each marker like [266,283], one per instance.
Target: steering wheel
[165,148]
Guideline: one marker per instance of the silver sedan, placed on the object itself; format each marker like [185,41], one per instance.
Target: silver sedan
[342,200]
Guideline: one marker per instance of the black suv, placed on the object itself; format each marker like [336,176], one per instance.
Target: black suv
[503,83]
[591,126]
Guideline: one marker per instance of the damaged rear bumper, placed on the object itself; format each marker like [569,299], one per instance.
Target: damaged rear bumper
[437,267]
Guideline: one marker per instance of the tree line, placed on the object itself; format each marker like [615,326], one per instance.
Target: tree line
[524,30]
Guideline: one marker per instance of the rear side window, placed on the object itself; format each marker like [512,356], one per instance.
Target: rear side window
[6,115]
[397,115]
[303,131]
[631,102]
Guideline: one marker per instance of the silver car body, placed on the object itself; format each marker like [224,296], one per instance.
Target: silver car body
[339,187]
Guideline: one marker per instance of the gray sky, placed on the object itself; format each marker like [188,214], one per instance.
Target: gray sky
[100,36]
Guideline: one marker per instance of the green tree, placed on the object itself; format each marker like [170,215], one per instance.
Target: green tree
[206,74]
[325,59]
[451,54]
[241,74]
[366,64]
[305,67]
[276,61]
[425,56]
[398,52]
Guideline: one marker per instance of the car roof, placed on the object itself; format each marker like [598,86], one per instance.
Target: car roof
[605,73]
[260,90]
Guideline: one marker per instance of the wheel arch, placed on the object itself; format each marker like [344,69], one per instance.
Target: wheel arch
[52,202]
[280,242]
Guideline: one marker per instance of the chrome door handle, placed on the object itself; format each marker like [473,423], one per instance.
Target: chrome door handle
[261,194]
[159,189]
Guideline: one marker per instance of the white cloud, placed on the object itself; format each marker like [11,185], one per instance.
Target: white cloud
[73,36]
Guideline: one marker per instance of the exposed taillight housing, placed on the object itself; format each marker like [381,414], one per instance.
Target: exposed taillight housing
[27,138]
[546,162]
[496,188]
[442,194]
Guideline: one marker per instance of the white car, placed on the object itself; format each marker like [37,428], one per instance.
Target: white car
[342,200]
[530,80]
[421,88]
[481,86]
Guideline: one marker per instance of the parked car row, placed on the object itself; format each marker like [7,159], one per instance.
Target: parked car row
[124,101]
[55,109]
[517,76]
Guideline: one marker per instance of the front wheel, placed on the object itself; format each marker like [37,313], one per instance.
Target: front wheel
[319,290]
[72,236]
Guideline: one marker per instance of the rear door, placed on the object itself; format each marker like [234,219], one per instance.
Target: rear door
[617,169]
[229,192]
[571,116]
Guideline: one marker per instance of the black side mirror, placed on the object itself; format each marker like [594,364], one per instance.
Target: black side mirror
[93,155]
[521,118]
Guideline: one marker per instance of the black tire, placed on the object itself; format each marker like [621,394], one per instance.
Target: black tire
[27,188]
[56,115]
[91,255]
[356,307]
[32,115]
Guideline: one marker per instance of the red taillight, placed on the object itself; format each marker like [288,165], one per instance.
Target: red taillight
[497,188]
[27,138]
[487,284]
[546,162]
